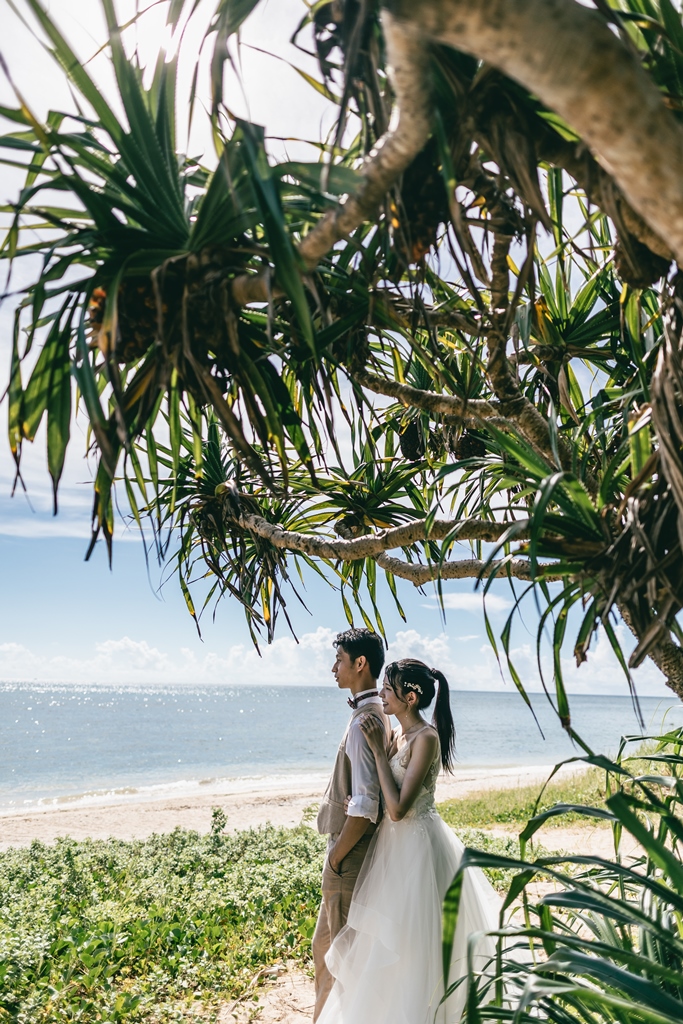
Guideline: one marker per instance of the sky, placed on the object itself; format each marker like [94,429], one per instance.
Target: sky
[65,620]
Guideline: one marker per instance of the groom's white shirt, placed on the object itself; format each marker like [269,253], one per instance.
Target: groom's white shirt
[365,790]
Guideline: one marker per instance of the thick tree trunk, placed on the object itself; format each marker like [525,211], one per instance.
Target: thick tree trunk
[668,656]
[567,55]
[560,50]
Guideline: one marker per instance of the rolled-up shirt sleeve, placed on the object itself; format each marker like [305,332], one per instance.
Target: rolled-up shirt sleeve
[365,791]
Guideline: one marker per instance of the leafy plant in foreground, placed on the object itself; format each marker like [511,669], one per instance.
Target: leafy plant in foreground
[605,944]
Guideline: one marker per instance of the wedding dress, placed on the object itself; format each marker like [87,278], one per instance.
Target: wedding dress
[387,960]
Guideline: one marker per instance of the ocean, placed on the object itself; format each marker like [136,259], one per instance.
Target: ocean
[61,745]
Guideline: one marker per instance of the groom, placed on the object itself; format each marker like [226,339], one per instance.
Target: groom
[359,661]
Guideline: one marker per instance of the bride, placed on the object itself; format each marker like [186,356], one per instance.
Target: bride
[387,961]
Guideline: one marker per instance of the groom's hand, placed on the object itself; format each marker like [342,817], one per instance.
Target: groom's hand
[354,829]
[334,863]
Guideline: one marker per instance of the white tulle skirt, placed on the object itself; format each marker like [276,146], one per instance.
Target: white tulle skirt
[387,960]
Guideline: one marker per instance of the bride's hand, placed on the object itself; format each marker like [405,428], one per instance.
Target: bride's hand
[374,733]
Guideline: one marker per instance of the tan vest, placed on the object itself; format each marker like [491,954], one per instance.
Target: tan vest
[331,815]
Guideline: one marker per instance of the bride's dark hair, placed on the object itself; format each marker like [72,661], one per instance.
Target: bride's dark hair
[411,674]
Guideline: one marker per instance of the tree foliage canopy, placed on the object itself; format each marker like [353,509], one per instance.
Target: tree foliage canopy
[460,326]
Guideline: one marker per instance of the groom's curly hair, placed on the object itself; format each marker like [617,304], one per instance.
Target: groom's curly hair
[357,642]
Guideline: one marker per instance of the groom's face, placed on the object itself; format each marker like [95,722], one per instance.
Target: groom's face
[344,670]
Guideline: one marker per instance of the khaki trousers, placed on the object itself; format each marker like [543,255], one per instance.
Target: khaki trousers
[334,909]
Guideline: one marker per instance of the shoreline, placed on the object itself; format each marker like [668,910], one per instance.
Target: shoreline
[248,803]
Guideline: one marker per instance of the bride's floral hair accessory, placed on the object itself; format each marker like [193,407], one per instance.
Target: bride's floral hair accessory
[411,674]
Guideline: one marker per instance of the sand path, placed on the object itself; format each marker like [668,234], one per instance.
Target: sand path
[286,999]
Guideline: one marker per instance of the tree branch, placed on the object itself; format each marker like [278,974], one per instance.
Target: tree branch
[472,413]
[467,409]
[667,656]
[500,373]
[374,544]
[458,321]
[513,404]
[465,568]
[561,51]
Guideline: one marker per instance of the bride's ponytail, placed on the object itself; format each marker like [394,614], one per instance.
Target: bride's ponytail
[442,720]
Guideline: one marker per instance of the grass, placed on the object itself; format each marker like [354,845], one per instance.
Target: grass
[516,806]
[114,931]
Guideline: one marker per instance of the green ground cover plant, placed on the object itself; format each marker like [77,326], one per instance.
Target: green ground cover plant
[110,931]
[516,806]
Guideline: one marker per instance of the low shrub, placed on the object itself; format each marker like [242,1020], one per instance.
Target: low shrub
[113,931]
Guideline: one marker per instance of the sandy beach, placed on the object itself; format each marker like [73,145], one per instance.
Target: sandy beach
[247,803]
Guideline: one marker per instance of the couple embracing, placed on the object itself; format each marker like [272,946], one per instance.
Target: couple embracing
[390,857]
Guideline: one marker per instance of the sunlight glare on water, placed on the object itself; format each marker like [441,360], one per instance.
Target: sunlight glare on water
[66,743]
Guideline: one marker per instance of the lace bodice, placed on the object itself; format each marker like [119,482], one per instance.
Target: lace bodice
[399,766]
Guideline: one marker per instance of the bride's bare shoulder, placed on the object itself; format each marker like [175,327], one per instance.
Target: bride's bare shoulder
[427,739]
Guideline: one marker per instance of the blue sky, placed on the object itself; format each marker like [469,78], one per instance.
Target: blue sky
[68,621]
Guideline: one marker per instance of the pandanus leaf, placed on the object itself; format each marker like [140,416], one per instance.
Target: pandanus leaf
[228,19]
[285,259]
[59,414]
[15,394]
[75,70]
[39,387]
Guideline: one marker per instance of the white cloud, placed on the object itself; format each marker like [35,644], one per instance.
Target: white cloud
[474,667]
[126,661]
[40,527]
[467,666]
[435,651]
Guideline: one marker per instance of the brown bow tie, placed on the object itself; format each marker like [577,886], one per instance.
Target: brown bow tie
[353,702]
